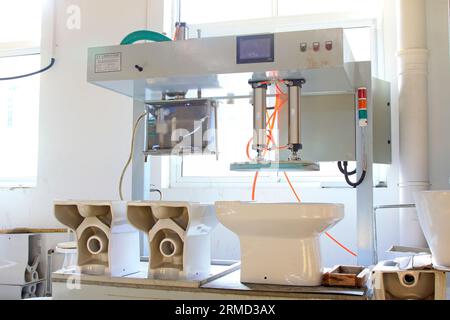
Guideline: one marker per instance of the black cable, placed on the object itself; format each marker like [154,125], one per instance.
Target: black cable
[30,74]
[345,172]
[348,174]
[356,184]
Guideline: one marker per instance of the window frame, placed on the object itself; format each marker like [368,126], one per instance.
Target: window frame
[19,183]
[11,50]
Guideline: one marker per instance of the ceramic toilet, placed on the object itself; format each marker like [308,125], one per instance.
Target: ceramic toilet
[178,236]
[433,209]
[280,241]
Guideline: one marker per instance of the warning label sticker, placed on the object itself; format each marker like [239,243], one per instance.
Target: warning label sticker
[108,62]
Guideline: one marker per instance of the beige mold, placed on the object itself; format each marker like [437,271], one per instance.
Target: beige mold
[178,235]
[106,244]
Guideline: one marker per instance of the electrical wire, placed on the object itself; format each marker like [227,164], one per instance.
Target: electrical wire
[130,157]
[52,63]
[343,168]
[344,172]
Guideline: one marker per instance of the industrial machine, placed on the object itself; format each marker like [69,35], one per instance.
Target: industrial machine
[335,109]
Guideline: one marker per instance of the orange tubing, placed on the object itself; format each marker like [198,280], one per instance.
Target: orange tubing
[326,233]
[341,245]
[271,122]
[255,179]
[292,187]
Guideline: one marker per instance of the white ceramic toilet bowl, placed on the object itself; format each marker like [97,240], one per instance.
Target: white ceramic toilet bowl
[280,241]
[433,209]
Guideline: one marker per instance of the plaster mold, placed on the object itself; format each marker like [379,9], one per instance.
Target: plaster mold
[106,244]
[178,236]
[390,282]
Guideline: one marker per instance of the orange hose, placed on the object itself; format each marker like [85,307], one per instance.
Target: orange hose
[326,233]
[255,179]
[248,148]
[292,187]
[341,245]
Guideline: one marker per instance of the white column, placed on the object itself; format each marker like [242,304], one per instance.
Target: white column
[413,107]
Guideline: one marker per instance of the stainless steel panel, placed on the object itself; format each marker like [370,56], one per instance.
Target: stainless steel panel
[183,126]
[382,149]
[197,63]
[294,115]
[327,128]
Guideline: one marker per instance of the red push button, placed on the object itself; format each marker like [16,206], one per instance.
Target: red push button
[316,46]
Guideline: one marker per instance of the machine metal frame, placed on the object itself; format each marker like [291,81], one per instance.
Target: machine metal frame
[199,64]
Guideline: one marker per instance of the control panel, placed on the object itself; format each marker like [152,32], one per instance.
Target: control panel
[316,46]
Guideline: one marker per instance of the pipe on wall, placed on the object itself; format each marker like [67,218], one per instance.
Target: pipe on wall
[413,108]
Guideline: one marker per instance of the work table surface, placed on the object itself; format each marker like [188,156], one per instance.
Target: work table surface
[137,286]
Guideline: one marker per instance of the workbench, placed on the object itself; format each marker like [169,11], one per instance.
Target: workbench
[227,287]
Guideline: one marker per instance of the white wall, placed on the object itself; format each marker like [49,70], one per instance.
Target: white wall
[439,93]
[84,130]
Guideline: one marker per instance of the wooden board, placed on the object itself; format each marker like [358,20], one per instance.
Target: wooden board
[31,230]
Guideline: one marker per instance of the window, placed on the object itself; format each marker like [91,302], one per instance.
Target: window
[217,18]
[201,11]
[19,99]
[213,11]
[306,7]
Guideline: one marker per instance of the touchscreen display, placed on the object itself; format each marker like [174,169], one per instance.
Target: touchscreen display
[254,49]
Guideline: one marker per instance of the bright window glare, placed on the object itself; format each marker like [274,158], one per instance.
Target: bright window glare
[19,101]
[305,7]
[20,21]
[360,42]
[231,141]
[205,11]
